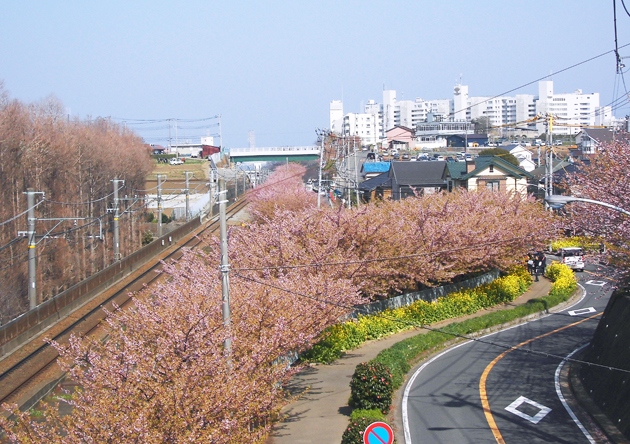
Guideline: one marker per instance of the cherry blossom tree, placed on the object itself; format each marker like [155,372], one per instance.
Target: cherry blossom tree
[605,178]
[164,376]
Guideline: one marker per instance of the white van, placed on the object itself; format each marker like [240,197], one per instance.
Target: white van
[572,257]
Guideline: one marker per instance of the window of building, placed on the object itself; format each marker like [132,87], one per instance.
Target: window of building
[492,168]
[492,185]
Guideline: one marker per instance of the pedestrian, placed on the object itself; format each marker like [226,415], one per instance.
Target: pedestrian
[530,263]
[538,265]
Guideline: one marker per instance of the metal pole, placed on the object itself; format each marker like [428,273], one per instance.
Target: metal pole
[321,160]
[235,184]
[225,266]
[211,191]
[32,257]
[356,174]
[159,204]
[116,217]
[187,197]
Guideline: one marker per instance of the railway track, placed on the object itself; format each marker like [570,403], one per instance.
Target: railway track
[29,373]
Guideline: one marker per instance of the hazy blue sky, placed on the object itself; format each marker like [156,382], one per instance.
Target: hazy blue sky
[273,67]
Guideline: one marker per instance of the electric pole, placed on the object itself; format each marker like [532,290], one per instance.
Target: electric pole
[321,160]
[32,244]
[187,197]
[116,217]
[159,203]
[225,266]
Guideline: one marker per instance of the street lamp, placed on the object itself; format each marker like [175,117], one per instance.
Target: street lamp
[558,201]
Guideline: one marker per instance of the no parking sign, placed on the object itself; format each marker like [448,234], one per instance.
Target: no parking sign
[378,433]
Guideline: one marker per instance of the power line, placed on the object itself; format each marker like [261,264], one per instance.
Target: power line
[385,259]
[22,213]
[85,203]
[427,327]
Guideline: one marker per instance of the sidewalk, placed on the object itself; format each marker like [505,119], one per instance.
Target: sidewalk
[321,413]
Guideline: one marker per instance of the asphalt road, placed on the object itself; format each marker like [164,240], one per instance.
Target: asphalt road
[444,399]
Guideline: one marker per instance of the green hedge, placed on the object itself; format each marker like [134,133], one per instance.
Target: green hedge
[587,243]
[351,334]
[371,387]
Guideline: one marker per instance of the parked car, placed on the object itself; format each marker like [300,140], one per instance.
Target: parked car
[176,161]
[405,156]
[396,156]
[413,158]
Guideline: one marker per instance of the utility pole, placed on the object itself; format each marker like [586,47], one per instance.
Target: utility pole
[159,203]
[211,191]
[321,160]
[116,217]
[225,267]
[356,174]
[32,257]
[187,173]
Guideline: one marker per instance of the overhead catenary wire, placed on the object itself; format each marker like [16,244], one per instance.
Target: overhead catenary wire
[22,213]
[85,203]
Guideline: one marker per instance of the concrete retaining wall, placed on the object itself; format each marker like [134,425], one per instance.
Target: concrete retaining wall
[610,389]
[429,295]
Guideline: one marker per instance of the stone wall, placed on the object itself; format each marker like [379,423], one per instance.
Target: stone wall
[428,295]
[610,347]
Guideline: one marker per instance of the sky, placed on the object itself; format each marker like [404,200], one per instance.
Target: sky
[273,67]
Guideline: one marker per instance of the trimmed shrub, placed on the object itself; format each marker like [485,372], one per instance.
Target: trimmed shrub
[349,335]
[587,243]
[371,387]
[374,414]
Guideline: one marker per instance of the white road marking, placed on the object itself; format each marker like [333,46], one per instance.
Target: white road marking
[542,410]
[582,311]
[598,283]
[562,400]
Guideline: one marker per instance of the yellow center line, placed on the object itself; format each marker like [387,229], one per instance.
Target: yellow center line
[482,382]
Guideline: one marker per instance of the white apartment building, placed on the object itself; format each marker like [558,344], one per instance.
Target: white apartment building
[336,116]
[361,125]
[570,109]
[574,109]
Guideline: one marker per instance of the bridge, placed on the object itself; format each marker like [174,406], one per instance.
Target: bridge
[281,153]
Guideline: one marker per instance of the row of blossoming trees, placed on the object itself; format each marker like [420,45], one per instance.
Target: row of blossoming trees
[73,163]
[164,375]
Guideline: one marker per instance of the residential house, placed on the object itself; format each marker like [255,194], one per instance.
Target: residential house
[373,169]
[406,179]
[401,137]
[488,172]
[474,140]
[523,155]
[589,140]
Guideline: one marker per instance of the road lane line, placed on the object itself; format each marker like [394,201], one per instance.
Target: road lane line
[564,402]
[482,382]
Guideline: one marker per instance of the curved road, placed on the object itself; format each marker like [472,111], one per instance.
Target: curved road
[478,392]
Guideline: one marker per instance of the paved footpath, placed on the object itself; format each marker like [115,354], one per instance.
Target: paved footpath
[321,413]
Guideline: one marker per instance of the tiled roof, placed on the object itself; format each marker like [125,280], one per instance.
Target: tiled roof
[418,173]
